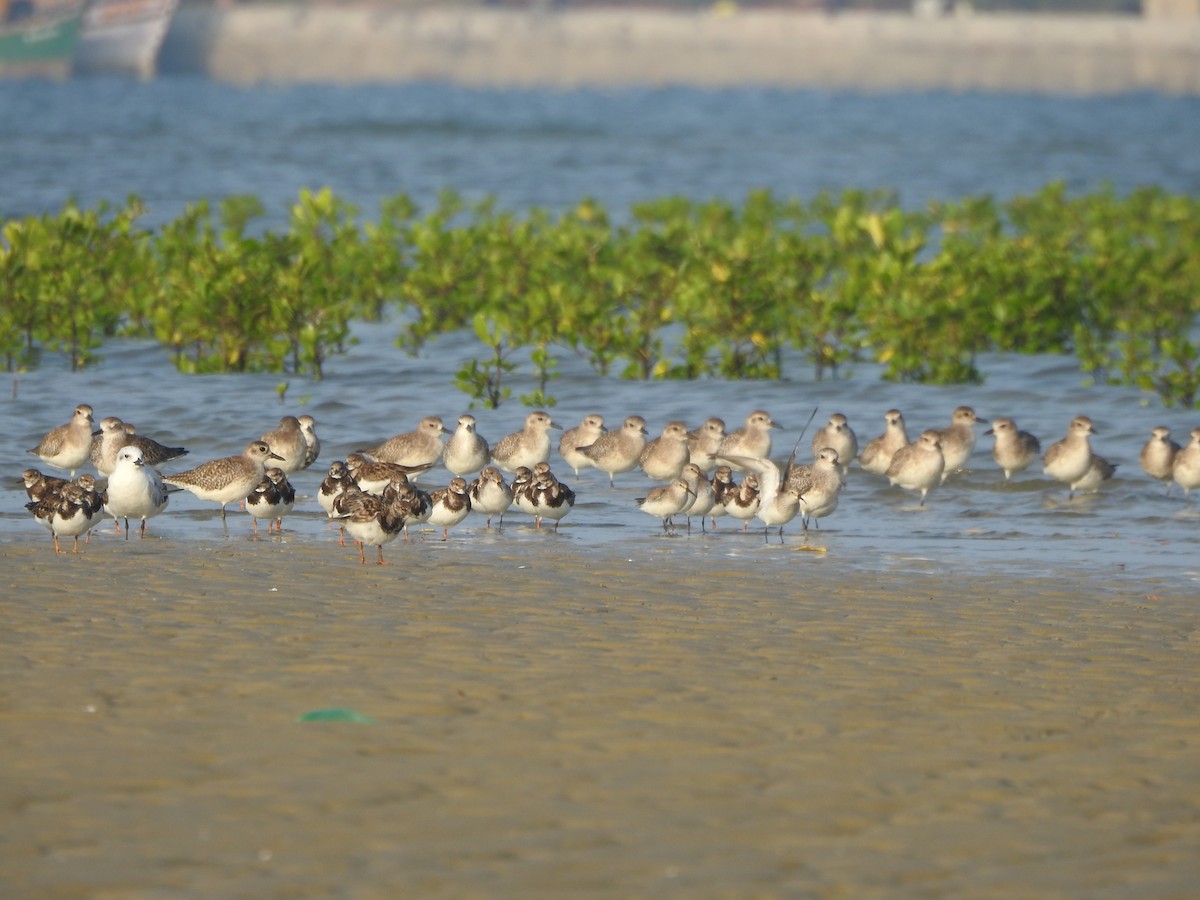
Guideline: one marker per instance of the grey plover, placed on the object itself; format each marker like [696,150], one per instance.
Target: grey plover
[819,486]
[877,455]
[420,447]
[704,442]
[1158,455]
[1014,450]
[1070,459]
[308,427]
[288,443]
[752,440]
[115,434]
[228,479]
[527,447]
[1186,471]
[68,446]
[618,450]
[663,458]
[838,434]
[583,434]
[958,440]
[919,465]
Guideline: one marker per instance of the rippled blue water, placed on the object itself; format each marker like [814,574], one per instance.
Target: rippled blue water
[176,140]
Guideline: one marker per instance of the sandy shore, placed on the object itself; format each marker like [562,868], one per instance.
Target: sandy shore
[575,722]
[603,47]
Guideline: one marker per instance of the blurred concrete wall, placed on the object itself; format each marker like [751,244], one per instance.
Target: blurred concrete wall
[608,47]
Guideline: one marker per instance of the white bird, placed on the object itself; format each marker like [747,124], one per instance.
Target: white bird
[135,489]
[466,451]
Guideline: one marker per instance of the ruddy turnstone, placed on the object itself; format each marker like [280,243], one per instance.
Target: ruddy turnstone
[288,443]
[373,477]
[490,496]
[226,479]
[1158,455]
[1014,449]
[466,451]
[752,440]
[371,521]
[838,434]
[272,499]
[68,446]
[663,458]
[583,434]
[39,486]
[420,447]
[135,489]
[68,514]
[919,465]
[704,442]
[551,499]
[958,440]
[1186,471]
[527,447]
[742,502]
[667,501]
[1070,459]
[619,450]
[723,486]
[877,455]
[450,505]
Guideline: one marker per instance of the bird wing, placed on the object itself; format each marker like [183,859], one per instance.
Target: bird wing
[769,476]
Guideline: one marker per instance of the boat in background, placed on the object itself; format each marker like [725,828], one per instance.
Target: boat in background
[123,37]
[38,41]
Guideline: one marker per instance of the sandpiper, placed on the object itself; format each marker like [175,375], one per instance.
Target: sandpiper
[450,505]
[818,485]
[667,501]
[583,434]
[527,447]
[877,455]
[919,465]
[135,489]
[1158,455]
[838,434]
[704,442]
[1070,459]
[226,479]
[68,446]
[288,443]
[958,440]
[490,496]
[703,496]
[619,450]
[420,447]
[1014,450]
[466,451]
[752,440]
[663,458]
[272,499]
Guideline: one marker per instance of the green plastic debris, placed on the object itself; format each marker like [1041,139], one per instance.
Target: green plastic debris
[337,714]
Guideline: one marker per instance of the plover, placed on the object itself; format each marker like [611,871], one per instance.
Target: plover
[1014,449]
[958,440]
[752,440]
[1068,460]
[919,465]
[116,434]
[619,450]
[288,443]
[135,489]
[527,447]
[583,434]
[877,455]
[1186,471]
[420,447]
[272,499]
[69,446]
[1158,455]
[704,442]
[308,427]
[667,501]
[227,479]
[838,434]
[1100,471]
[490,495]
[466,451]
[450,505]
[663,458]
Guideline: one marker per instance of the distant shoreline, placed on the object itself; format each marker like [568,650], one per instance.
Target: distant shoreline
[289,43]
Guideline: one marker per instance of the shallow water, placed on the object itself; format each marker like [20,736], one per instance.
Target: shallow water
[994,695]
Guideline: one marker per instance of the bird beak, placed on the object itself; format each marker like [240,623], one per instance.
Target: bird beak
[274,455]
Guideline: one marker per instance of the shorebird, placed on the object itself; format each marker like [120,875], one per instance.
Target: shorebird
[1070,459]
[778,498]
[333,485]
[583,434]
[39,486]
[752,440]
[288,442]
[116,434]
[527,447]
[490,496]
[226,479]
[838,434]
[877,455]
[135,489]
[1158,456]
[550,498]
[618,451]
[703,499]
[958,440]
[1186,471]
[663,458]
[723,486]
[1014,450]
[919,465]
[371,521]
[667,501]
[373,477]
[272,499]
[704,442]
[68,514]
[819,486]
[69,446]
[450,505]
[308,427]
[420,447]
[466,451]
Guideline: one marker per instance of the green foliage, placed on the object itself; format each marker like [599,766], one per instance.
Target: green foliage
[685,289]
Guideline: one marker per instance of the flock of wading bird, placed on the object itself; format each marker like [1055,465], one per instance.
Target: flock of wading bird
[372,496]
